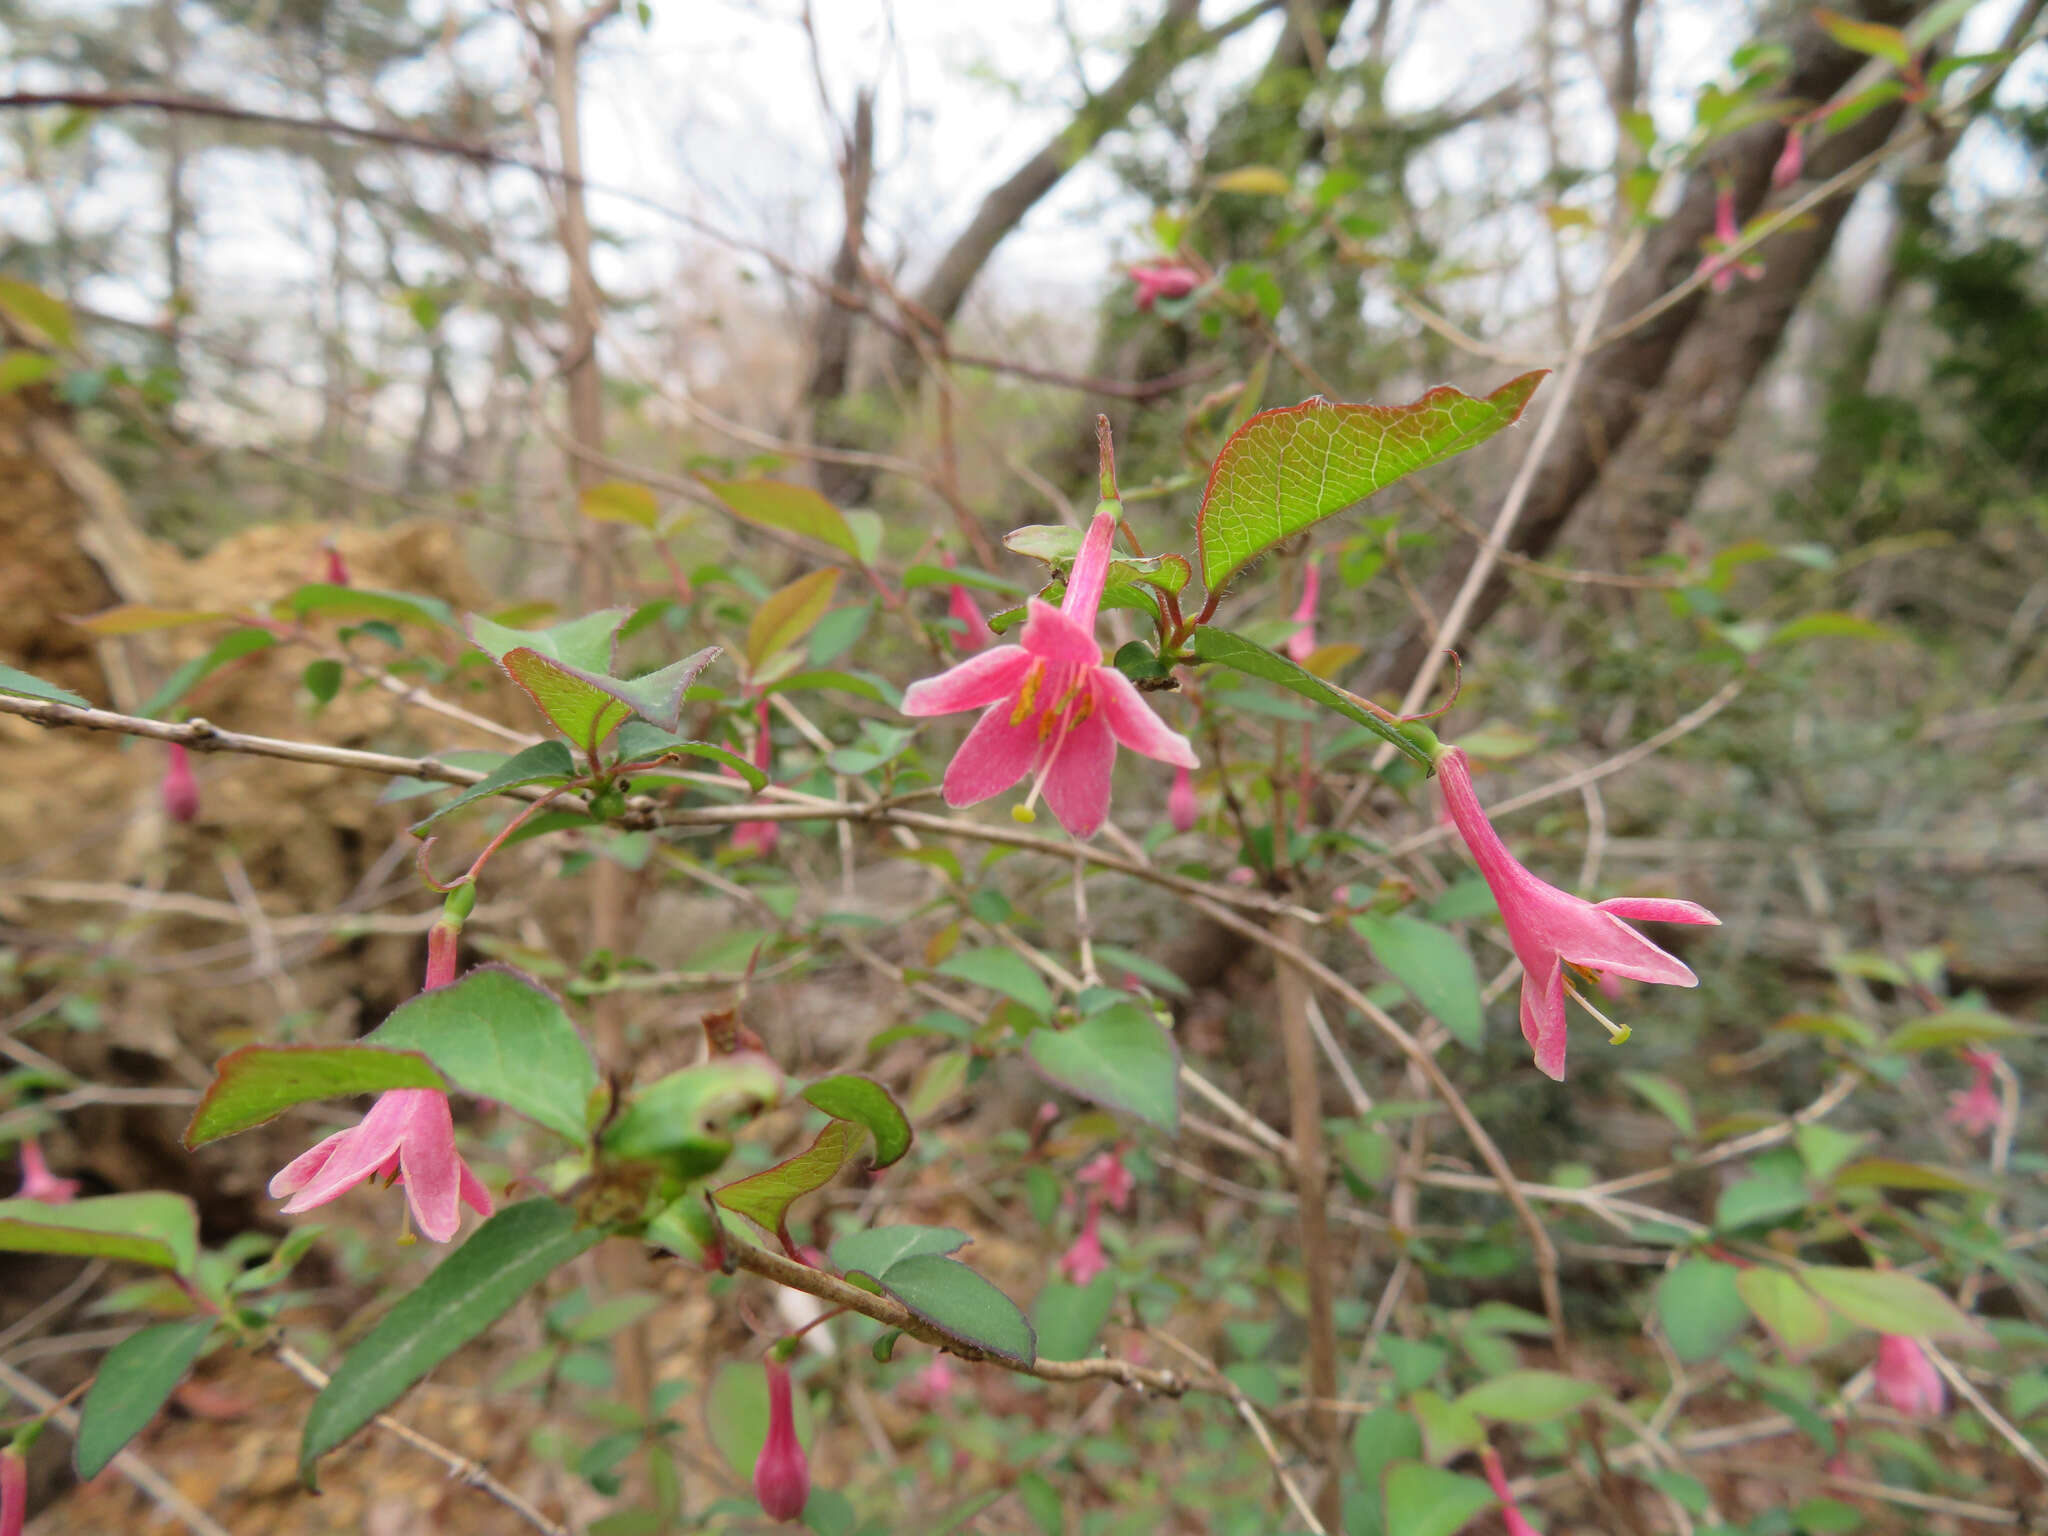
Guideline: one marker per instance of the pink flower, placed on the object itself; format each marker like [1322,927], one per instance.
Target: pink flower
[37,1182]
[1050,707]
[1551,929]
[1497,1478]
[1106,1173]
[408,1135]
[782,1477]
[934,1385]
[970,629]
[1907,1379]
[180,789]
[336,573]
[1181,805]
[1978,1109]
[1721,267]
[758,836]
[1791,159]
[1302,643]
[1161,278]
[1084,1260]
[13,1491]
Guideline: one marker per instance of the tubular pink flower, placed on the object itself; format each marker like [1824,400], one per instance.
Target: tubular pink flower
[1084,1259]
[1907,1379]
[1722,268]
[1302,643]
[13,1491]
[1181,806]
[1791,159]
[970,629]
[1163,279]
[180,789]
[759,836]
[935,1384]
[1050,708]
[408,1135]
[38,1183]
[1497,1479]
[1550,929]
[1106,1173]
[336,573]
[1977,1109]
[782,1476]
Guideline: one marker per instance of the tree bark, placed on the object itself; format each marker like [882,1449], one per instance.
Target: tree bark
[832,349]
[1656,404]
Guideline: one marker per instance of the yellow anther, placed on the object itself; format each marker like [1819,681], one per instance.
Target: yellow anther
[1023,814]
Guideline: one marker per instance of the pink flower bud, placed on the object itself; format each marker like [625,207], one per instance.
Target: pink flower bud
[1084,1260]
[1106,1173]
[970,629]
[782,1477]
[336,573]
[1977,1109]
[1907,1380]
[443,939]
[1181,805]
[933,1386]
[37,1182]
[13,1492]
[1302,643]
[1791,159]
[180,789]
[1163,279]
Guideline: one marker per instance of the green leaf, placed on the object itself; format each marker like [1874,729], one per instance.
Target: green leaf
[1042,1503]
[1287,469]
[468,1291]
[1792,1314]
[874,1251]
[545,762]
[322,679]
[1122,1057]
[24,302]
[620,501]
[1757,1200]
[587,644]
[1436,969]
[788,614]
[1447,1427]
[1668,1098]
[255,1084]
[638,742]
[1823,1149]
[865,1102]
[1835,626]
[1254,660]
[1953,1029]
[1700,1309]
[1146,969]
[232,646]
[1867,37]
[765,1197]
[133,1381]
[1892,1302]
[150,1228]
[576,704]
[1056,545]
[949,1295]
[1067,1318]
[1529,1397]
[1428,1501]
[1414,1362]
[20,367]
[503,1036]
[1381,1438]
[1003,971]
[1253,181]
[684,1121]
[792,508]
[24,685]
[1896,1173]
[338,602]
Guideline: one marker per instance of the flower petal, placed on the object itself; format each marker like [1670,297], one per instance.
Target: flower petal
[1051,636]
[474,1195]
[1606,943]
[1658,909]
[429,1162]
[364,1152]
[1136,724]
[976,683]
[301,1170]
[995,755]
[1077,783]
[1090,573]
[1543,1020]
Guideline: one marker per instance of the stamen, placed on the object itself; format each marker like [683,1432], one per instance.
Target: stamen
[1620,1032]
[1027,693]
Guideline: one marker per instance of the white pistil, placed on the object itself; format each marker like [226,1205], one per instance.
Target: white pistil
[1620,1032]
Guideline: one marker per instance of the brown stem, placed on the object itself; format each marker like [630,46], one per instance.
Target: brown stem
[1318,1262]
